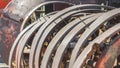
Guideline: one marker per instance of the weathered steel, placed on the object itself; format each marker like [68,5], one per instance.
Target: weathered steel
[19,37]
[93,27]
[69,37]
[32,51]
[67,10]
[64,44]
[15,6]
[23,41]
[26,5]
[62,2]
[9,30]
[40,5]
[99,40]
[11,20]
[33,48]
[107,60]
[24,45]
[21,34]
[15,43]
[46,32]
[34,44]
[59,36]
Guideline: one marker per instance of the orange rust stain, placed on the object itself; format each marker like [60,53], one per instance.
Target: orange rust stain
[103,61]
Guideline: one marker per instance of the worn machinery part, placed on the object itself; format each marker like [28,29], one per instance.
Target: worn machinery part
[60,35]
[11,17]
[34,45]
[110,55]
[33,48]
[46,29]
[26,37]
[21,47]
[21,34]
[50,20]
[88,32]
[40,5]
[71,25]
[24,40]
[44,4]
[46,32]
[9,29]
[15,43]
[93,27]
[97,41]
[28,34]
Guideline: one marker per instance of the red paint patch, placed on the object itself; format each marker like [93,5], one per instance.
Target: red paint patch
[3,3]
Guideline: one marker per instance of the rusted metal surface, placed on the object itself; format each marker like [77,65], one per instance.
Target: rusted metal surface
[50,28]
[74,37]
[21,47]
[94,26]
[11,17]
[15,43]
[59,36]
[21,35]
[46,32]
[9,30]
[63,45]
[109,56]
[32,51]
[33,47]
[35,41]
[87,52]
[15,6]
